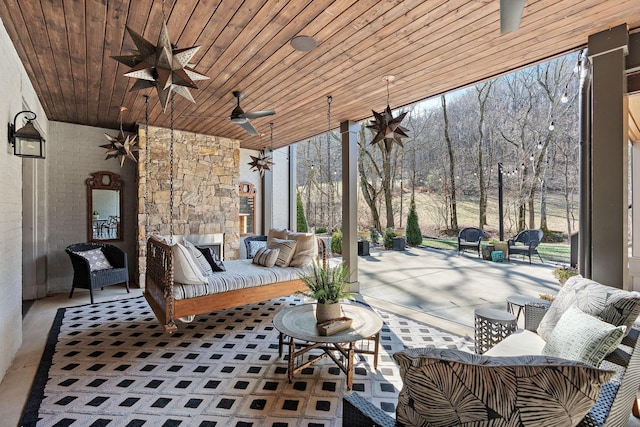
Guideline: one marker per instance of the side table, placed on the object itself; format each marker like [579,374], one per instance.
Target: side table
[521,301]
[491,327]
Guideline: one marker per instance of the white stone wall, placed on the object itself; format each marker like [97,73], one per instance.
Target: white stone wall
[74,152]
[16,92]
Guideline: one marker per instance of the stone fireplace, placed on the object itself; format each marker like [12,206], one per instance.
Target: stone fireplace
[205,188]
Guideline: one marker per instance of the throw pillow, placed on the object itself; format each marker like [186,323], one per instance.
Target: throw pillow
[276,233]
[185,268]
[266,257]
[254,246]
[609,304]
[579,336]
[198,256]
[443,387]
[305,249]
[212,258]
[286,250]
[96,258]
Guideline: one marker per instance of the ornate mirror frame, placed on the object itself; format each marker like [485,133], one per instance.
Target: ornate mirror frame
[104,180]
[247,219]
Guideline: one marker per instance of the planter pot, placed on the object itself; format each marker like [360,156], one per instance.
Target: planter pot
[399,231]
[327,311]
[503,247]
[364,235]
[96,217]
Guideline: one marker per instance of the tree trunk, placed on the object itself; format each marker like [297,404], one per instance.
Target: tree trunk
[452,166]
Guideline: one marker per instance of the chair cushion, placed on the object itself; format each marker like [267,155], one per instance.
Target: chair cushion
[287,249]
[212,258]
[305,249]
[609,304]
[579,336]
[266,257]
[254,245]
[96,258]
[443,387]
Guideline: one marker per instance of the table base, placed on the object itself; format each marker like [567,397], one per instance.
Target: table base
[347,350]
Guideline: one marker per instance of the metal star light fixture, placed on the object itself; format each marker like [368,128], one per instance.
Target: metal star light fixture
[161,66]
[387,127]
[263,161]
[121,146]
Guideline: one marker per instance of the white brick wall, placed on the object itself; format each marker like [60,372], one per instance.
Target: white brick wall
[15,90]
[73,153]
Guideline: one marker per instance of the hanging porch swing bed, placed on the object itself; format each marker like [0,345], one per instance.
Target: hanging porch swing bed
[243,282]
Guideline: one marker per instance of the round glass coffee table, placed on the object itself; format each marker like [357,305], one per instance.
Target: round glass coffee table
[297,325]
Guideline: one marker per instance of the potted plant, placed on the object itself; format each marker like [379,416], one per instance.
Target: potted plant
[327,285]
[96,215]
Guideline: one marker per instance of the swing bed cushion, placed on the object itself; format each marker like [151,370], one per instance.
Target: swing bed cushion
[192,291]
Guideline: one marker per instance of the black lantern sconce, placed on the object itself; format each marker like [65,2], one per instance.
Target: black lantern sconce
[26,141]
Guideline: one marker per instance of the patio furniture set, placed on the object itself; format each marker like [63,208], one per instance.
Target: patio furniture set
[525,243]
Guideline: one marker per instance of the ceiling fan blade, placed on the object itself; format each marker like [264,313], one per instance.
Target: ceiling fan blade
[246,125]
[510,15]
[258,114]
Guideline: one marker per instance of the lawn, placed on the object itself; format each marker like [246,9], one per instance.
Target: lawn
[556,252]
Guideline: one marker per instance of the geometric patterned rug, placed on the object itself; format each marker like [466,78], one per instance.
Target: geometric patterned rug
[111,364]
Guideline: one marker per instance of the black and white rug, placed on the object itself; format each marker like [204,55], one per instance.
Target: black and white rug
[111,364]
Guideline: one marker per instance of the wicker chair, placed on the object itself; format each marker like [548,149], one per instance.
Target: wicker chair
[84,278]
[469,238]
[248,240]
[526,243]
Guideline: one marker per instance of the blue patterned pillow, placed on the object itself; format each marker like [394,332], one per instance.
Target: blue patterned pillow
[254,245]
[96,258]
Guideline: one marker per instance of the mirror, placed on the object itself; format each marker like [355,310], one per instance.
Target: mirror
[247,208]
[104,206]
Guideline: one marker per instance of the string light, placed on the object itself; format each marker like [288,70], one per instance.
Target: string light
[551,126]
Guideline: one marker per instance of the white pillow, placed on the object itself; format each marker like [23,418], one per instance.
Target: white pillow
[287,249]
[305,249]
[205,267]
[580,336]
[185,268]
[96,258]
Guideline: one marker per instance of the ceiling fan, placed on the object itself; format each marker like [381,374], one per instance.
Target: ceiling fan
[510,15]
[239,117]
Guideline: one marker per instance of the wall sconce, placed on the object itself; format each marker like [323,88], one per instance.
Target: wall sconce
[26,141]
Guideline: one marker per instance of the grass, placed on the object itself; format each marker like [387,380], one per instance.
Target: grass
[556,252]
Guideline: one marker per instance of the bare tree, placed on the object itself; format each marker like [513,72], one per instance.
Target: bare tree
[452,167]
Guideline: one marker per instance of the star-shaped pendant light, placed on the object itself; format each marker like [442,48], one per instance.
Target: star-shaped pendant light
[263,162]
[161,66]
[386,127]
[121,146]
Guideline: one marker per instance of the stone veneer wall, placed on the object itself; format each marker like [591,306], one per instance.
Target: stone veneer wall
[205,188]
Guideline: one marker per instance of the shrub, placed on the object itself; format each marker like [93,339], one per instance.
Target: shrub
[321,230]
[414,235]
[374,234]
[389,234]
[336,242]
[563,274]
[301,220]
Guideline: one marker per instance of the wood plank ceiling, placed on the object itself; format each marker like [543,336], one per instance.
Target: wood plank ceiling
[429,46]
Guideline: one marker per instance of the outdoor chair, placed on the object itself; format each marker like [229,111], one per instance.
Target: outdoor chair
[526,243]
[93,269]
[469,238]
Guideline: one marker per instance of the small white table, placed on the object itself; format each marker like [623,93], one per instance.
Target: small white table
[299,323]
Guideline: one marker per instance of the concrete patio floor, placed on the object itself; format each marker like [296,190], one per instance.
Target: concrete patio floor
[443,288]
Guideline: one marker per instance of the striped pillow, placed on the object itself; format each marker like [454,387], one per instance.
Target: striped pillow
[266,257]
[287,249]
[205,267]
